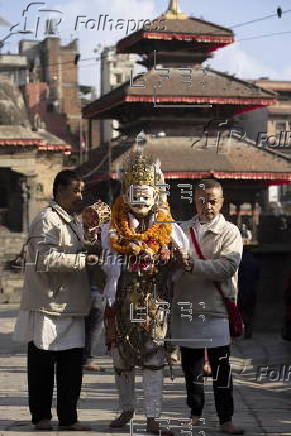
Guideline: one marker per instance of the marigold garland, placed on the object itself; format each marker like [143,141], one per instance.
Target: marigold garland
[124,240]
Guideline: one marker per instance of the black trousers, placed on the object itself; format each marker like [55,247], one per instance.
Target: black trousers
[192,364]
[40,370]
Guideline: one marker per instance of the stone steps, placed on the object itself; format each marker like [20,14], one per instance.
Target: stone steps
[11,285]
[11,282]
[11,244]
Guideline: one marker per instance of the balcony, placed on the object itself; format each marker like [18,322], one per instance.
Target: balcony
[12,61]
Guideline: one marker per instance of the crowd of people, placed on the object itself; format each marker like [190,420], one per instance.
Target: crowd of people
[70,297]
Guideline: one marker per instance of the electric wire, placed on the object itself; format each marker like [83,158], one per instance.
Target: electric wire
[258,19]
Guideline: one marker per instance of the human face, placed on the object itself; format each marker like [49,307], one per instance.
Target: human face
[70,197]
[141,199]
[208,202]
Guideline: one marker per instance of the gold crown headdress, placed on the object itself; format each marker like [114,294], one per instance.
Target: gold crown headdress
[141,170]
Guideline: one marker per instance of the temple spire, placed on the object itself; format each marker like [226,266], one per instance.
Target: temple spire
[174,11]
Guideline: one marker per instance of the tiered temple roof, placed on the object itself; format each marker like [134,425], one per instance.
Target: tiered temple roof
[173,54]
[15,129]
[160,101]
[181,160]
[219,89]
[174,25]
[20,138]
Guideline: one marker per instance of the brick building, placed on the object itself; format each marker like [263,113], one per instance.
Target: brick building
[115,70]
[52,94]
[47,74]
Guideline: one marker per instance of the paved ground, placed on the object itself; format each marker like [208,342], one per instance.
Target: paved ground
[262,407]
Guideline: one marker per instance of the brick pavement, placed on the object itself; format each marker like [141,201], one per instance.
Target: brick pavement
[262,407]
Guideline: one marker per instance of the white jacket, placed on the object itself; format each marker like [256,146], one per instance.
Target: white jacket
[222,247]
[56,280]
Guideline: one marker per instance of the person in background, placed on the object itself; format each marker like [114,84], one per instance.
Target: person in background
[246,233]
[210,262]
[93,218]
[248,277]
[55,301]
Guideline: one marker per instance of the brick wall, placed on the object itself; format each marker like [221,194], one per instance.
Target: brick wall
[55,98]
[36,97]
[63,79]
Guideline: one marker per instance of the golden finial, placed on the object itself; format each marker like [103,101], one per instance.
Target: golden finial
[174,11]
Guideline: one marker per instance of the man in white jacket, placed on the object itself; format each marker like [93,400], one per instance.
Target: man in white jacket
[208,328]
[55,300]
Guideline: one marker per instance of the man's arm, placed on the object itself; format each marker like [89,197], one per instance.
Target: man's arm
[179,239]
[50,256]
[227,264]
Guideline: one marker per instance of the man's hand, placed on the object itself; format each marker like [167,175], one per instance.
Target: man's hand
[184,259]
[91,233]
[165,254]
[91,260]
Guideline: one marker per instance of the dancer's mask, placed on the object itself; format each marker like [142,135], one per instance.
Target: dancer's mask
[142,182]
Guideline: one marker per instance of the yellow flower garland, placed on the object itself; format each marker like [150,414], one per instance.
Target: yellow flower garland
[123,239]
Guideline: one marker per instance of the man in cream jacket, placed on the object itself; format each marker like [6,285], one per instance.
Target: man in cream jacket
[199,317]
[55,300]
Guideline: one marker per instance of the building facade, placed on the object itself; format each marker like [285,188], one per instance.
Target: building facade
[29,161]
[115,70]
[15,67]
[40,120]
[270,128]
[47,74]
[56,64]
[272,121]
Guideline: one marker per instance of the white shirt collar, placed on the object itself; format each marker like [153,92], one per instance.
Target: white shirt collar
[214,225]
[62,212]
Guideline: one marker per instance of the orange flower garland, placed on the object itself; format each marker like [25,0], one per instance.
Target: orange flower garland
[124,240]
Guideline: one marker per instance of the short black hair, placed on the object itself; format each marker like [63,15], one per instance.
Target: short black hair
[64,178]
[208,183]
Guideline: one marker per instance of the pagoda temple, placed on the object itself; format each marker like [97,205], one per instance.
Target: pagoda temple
[186,113]
[177,95]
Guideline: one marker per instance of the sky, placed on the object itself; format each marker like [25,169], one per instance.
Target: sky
[246,58]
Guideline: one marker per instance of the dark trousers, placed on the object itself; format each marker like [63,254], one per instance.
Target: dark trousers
[192,365]
[40,370]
